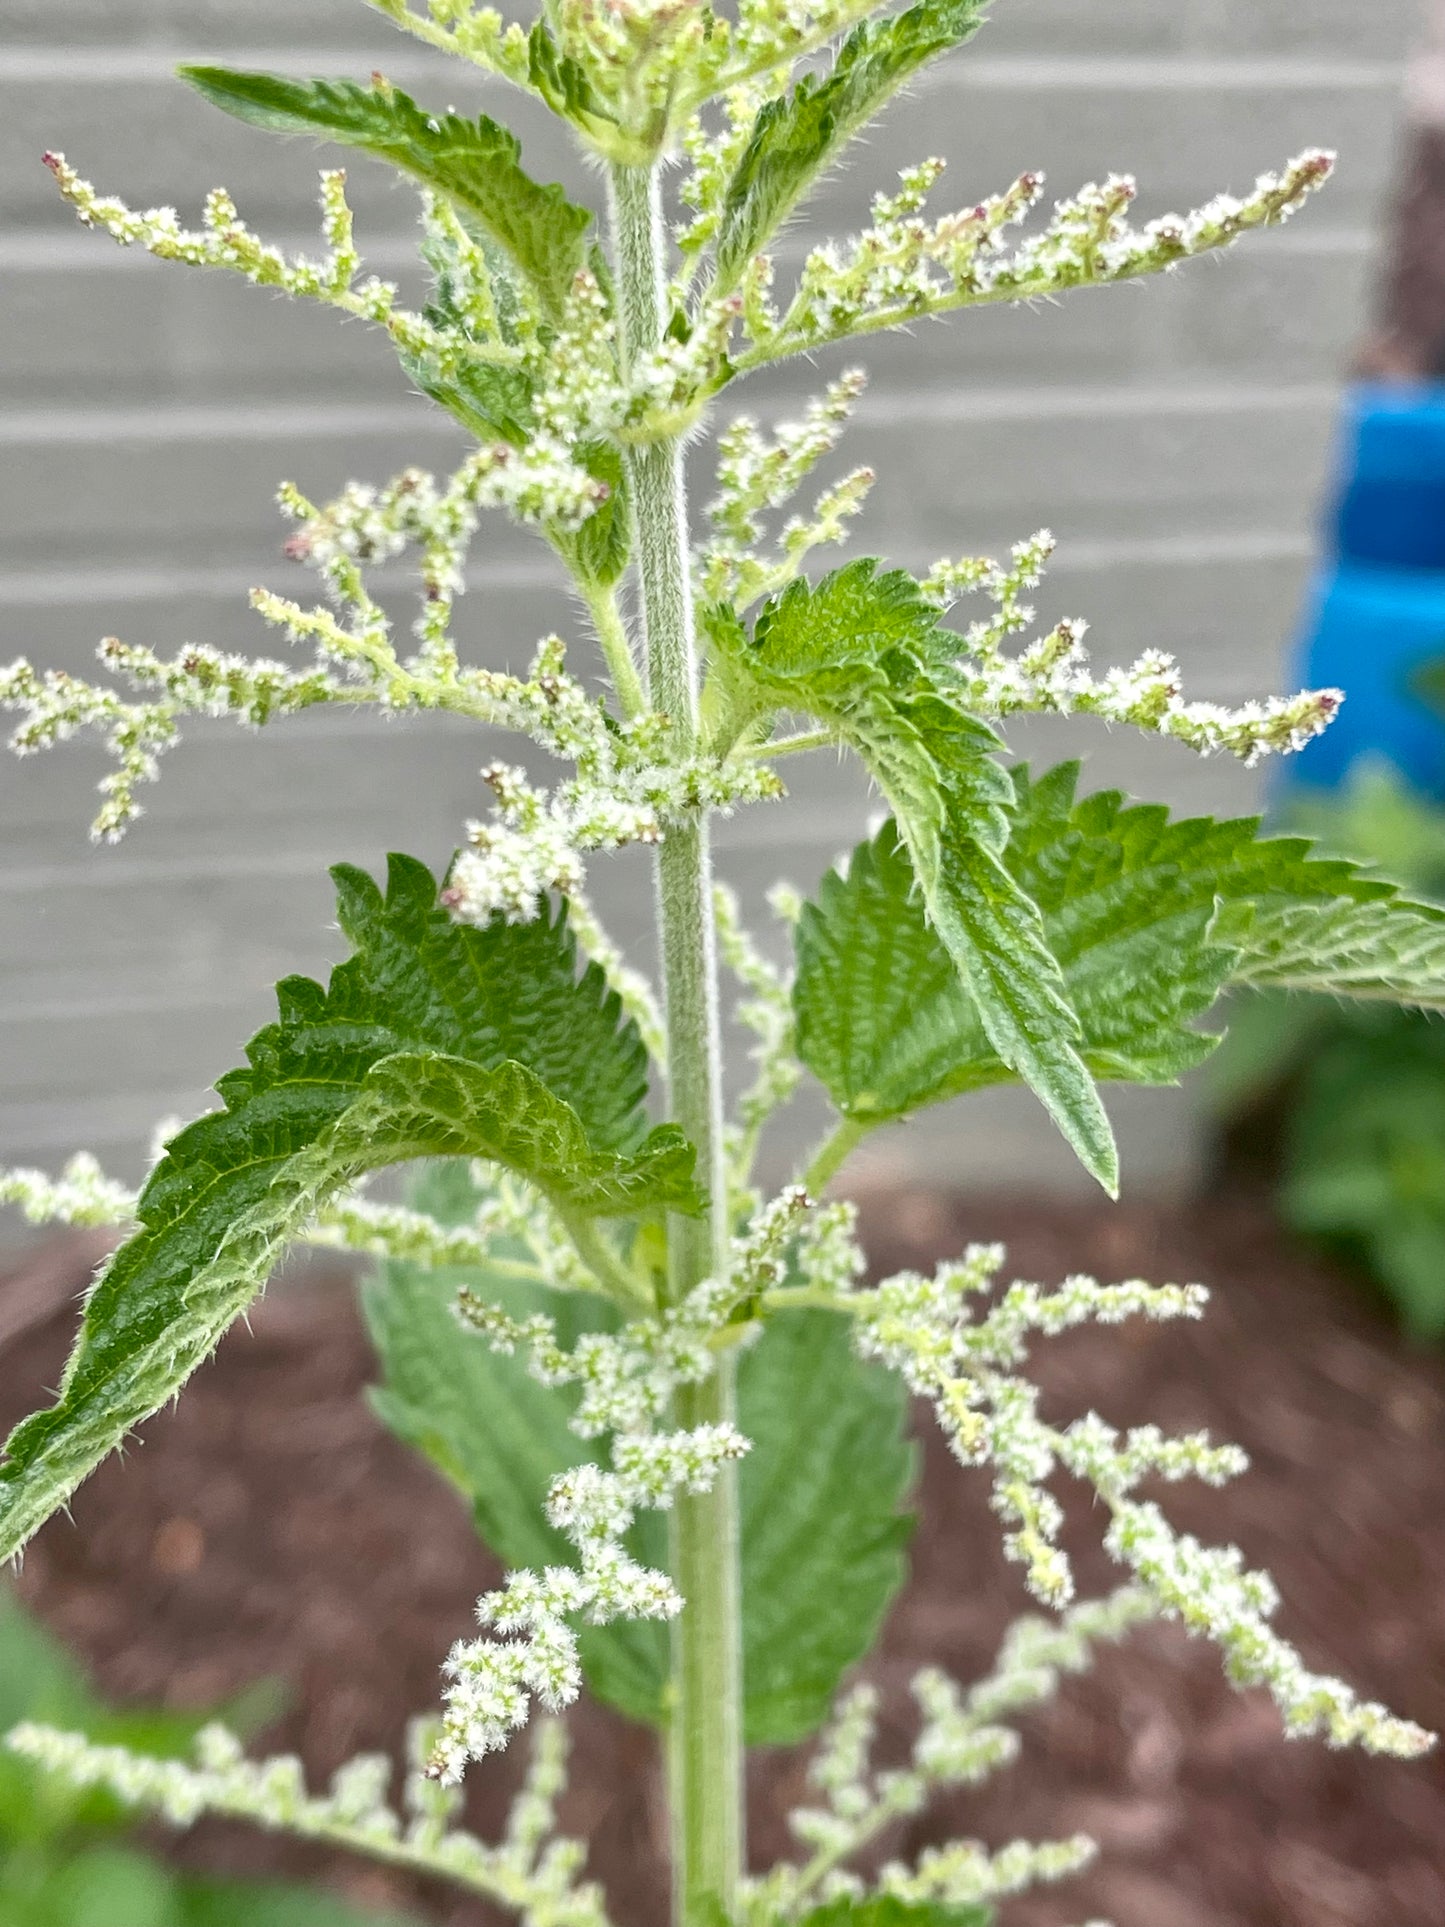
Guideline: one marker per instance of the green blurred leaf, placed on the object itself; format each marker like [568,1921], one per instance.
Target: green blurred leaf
[474,163]
[234,1903]
[887,1910]
[1366,1157]
[40,1680]
[821,1491]
[797,138]
[236,1185]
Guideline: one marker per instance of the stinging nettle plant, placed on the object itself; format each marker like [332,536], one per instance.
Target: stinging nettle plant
[673,1402]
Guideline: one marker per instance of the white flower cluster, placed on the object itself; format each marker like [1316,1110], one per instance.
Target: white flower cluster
[539,839]
[962,1738]
[712,151]
[82,1194]
[530,1871]
[964,1353]
[197,681]
[1051,673]
[756,474]
[627,1379]
[767,1011]
[472,32]
[355,660]
[511,1217]
[531,1649]
[960,1346]
[905,267]
[224,241]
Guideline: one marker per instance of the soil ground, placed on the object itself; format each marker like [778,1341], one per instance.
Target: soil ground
[268,1526]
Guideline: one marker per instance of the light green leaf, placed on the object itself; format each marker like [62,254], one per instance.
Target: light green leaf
[425,1105]
[236,1185]
[1148,919]
[887,1910]
[822,1533]
[112,1887]
[799,137]
[1386,948]
[473,163]
[867,655]
[237,1903]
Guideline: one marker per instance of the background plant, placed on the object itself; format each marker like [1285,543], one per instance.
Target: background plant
[646,1332]
[64,1857]
[1361,1086]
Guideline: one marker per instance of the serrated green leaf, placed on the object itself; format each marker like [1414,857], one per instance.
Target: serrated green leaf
[799,137]
[887,1910]
[1385,948]
[1148,918]
[822,1532]
[474,163]
[236,1185]
[417,1105]
[868,655]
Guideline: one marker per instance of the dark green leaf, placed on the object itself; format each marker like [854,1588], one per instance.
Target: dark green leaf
[797,138]
[1130,907]
[423,1105]
[473,163]
[867,655]
[599,548]
[822,1533]
[236,1185]
[1384,947]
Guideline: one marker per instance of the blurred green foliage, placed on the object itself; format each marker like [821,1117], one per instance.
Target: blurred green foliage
[64,1858]
[1363,1085]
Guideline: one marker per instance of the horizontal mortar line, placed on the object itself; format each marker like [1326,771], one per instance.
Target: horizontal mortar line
[124,873]
[1086,557]
[81,586]
[401,59]
[96,1120]
[1096,402]
[1176,72]
[151,1003]
[246,422]
[236,422]
[1173,73]
[809,827]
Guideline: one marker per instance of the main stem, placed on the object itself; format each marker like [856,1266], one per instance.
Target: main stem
[705,1750]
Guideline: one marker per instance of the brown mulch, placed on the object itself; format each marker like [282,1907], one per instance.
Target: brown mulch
[268,1527]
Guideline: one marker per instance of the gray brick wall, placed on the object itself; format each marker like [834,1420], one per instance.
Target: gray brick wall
[1175,436]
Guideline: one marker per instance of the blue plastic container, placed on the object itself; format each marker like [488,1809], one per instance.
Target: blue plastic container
[1376,611]
[1369,630]
[1391,509]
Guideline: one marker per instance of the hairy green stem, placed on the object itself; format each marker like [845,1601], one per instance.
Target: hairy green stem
[831,1154]
[705,1753]
[805,739]
[612,635]
[600,1258]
